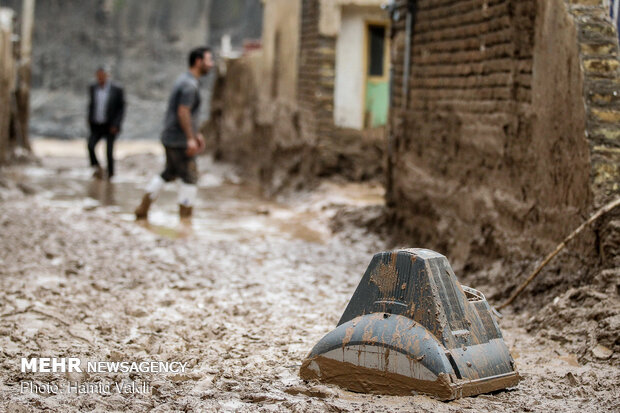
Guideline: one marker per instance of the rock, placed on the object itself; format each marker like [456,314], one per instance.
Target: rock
[571,379]
[602,352]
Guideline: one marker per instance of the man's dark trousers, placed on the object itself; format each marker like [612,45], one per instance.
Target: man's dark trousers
[97,132]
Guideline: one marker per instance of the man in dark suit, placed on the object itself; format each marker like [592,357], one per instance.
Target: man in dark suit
[105,115]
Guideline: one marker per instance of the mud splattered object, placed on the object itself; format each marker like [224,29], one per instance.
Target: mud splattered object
[411,328]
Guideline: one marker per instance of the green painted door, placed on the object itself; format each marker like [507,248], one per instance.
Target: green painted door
[377,81]
[377,96]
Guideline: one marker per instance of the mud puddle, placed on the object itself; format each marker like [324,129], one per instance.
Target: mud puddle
[223,212]
[242,299]
[226,209]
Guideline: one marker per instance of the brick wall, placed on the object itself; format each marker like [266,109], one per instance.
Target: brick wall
[494,154]
[289,144]
[357,155]
[310,62]
[353,154]
[598,46]
[598,49]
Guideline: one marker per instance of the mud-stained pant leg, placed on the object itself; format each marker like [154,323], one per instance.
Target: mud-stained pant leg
[179,165]
[188,189]
[189,170]
[156,184]
[170,170]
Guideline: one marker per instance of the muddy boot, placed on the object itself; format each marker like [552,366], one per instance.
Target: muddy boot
[185,212]
[143,209]
[98,173]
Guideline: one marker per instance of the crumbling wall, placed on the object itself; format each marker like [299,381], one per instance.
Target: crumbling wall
[354,154]
[233,133]
[585,309]
[261,137]
[279,127]
[597,39]
[492,154]
[255,118]
[289,160]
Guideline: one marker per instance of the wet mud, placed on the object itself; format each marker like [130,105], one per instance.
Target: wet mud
[241,295]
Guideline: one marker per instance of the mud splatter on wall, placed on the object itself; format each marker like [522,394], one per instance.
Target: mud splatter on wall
[492,150]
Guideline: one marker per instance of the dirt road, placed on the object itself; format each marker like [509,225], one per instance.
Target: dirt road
[241,296]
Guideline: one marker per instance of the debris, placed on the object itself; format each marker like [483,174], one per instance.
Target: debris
[602,211]
[602,352]
[387,342]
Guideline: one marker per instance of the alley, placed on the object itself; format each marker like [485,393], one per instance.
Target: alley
[241,295]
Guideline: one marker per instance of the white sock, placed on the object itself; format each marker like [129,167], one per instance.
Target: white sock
[154,187]
[187,194]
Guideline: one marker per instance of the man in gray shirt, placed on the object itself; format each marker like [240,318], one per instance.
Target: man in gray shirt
[180,137]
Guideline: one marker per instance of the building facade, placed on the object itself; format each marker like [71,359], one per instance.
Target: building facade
[504,133]
[343,89]
[314,99]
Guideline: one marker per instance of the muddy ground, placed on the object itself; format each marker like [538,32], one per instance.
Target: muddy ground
[241,294]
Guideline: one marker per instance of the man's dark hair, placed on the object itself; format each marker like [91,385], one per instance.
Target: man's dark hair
[197,53]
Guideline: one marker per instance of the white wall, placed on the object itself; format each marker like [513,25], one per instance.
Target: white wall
[350,71]
[349,87]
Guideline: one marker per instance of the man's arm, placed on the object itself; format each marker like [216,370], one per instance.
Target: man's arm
[185,120]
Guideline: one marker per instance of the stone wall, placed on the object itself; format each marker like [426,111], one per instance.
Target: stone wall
[495,155]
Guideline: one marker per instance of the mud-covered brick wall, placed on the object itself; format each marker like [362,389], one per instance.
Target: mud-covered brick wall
[289,141]
[310,63]
[598,46]
[353,154]
[316,78]
[491,163]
